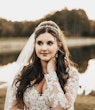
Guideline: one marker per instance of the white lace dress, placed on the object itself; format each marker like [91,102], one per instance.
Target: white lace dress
[53,97]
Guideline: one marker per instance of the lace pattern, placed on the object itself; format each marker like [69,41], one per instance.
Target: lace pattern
[53,97]
[56,94]
[36,101]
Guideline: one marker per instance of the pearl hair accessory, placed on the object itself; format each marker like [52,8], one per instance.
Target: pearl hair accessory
[49,25]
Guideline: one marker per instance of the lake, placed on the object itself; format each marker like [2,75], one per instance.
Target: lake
[81,55]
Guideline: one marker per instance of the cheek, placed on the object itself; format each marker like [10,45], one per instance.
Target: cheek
[54,50]
[37,50]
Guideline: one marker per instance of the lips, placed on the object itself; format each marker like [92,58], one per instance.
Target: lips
[44,54]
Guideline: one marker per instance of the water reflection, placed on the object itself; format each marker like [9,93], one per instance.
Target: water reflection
[80,55]
[6,58]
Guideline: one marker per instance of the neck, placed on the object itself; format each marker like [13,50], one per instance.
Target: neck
[44,66]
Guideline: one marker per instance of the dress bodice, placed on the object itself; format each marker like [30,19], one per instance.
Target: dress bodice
[36,101]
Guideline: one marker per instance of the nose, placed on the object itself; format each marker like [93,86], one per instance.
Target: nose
[44,47]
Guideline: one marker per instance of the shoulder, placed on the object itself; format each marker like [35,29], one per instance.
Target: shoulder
[73,80]
[73,72]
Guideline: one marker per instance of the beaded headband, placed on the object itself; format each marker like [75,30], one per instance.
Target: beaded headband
[48,25]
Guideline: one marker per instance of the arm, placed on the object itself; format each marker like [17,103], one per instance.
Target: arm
[10,103]
[10,100]
[57,98]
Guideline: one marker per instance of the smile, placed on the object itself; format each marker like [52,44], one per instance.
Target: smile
[44,54]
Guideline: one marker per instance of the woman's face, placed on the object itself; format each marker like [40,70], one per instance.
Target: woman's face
[46,46]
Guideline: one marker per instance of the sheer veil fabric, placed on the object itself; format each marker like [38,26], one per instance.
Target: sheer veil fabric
[22,60]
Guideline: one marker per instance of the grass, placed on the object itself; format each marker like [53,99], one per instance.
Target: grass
[85,102]
[2,98]
[82,102]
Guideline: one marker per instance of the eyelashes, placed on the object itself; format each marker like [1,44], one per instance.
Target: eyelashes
[39,42]
[48,43]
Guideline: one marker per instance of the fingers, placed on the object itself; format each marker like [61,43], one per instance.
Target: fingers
[54,59]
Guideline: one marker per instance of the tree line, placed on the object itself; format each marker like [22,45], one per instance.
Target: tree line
[73,23]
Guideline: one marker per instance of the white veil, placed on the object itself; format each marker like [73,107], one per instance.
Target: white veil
[22,60]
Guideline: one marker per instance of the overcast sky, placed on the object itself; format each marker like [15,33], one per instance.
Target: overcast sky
[19,10]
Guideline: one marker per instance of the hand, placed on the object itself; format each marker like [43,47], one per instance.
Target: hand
[51,66]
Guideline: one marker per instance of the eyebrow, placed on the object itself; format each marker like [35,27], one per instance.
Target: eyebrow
[47,41]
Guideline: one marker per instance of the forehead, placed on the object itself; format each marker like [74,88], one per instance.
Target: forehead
[46,36]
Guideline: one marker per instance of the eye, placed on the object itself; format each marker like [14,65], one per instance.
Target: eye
[39,42]
[50,43]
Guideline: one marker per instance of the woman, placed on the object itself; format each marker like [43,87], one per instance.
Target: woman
[48,81]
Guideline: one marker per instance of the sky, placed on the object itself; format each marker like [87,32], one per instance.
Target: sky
[21,10]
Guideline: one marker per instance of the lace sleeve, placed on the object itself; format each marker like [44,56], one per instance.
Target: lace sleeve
[57,98]
[12,99]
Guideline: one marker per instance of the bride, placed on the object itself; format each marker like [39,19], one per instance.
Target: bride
[46,78]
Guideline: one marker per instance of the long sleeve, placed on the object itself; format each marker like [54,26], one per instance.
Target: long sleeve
[11,103]
[57,98]
[10,100]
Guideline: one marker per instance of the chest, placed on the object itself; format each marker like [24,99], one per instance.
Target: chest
[41,87]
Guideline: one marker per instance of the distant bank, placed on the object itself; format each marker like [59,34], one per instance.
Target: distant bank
[17,45]
[80,42]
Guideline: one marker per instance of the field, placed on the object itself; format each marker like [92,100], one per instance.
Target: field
[82,102]
[2,98]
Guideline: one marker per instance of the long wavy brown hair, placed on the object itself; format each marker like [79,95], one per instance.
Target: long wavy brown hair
[33,71]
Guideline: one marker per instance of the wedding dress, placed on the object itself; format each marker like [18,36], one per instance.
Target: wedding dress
[52,97]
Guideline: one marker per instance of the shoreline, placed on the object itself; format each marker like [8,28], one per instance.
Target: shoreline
[17,45]
[80,42]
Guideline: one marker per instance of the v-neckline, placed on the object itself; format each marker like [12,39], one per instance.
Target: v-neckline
[38,92]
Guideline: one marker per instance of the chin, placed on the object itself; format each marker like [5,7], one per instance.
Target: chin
[45,59]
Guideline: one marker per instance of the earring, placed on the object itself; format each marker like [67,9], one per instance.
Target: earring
[56,55]
[65,58]
[67,69]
